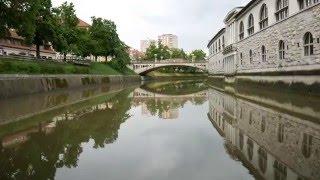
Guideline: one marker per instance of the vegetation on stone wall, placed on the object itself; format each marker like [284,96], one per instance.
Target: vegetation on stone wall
[12,66]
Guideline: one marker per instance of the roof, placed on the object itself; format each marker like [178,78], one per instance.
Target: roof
[216,36]
[12,33]
[246,8]
[232,13]
[82,23]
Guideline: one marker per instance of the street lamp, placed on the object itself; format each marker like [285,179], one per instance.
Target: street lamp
[155,57]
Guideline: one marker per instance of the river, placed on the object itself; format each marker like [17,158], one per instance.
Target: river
[166,130]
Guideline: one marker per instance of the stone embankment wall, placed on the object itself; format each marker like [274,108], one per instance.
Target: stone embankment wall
[17,85]
[303,84]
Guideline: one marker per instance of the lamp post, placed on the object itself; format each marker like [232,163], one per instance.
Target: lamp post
[155,58]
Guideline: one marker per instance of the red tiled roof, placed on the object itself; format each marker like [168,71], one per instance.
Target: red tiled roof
[81,23]
[13,34]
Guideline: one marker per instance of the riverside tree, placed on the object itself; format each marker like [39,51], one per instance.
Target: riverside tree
[178,53]
[104,37]
[198,55]
[159,52]
[44,25]
[67,34]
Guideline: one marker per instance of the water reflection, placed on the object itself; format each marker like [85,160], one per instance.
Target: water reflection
[272,144]
[36,153]
[105,127]
[165,99]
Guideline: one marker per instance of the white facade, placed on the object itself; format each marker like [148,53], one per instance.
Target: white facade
[169,40]
[253,34]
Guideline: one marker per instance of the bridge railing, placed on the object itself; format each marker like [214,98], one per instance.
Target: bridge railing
[168,62]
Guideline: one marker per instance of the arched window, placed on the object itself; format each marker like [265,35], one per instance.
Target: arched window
[241,31]
[241,139]
[263,124]
[307,3]
[219,45]
[307,145]
[250,24]
[251,56]
[280,171]
[263,16]
[308,44]
[282,50]
[282,9]
[263,160]
[263,54]
[223,42]
[250,149]
[281,133]
[216,47]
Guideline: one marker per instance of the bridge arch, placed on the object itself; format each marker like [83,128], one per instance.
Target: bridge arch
[142,68]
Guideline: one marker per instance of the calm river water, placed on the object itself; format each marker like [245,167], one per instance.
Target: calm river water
[169,130]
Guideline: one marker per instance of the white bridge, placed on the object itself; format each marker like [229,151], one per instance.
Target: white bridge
[144,67]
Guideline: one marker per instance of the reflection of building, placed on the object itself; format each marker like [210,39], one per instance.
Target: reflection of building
[170,114]
[169,40]
[135,54]
[273,145]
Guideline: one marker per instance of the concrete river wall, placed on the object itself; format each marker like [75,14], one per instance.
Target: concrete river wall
[17,85]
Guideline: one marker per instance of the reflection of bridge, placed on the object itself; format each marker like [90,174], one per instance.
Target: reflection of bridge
[166,106]
[148,66]
[141,93]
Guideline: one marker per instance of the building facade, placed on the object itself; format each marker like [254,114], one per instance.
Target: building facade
[169,40]
[145,44]
[268,37]
[14,45]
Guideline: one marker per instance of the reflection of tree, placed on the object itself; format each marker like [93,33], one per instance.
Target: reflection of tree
[39,157]
[175,95]
[157,106]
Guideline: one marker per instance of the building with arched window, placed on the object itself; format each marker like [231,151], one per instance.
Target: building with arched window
[273,35]
[263,16]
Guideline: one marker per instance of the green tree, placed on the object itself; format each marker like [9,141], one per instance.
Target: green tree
[13,13]
[105,37]
[84,44]
[39,28]
[159,51]
[151,52]
[121,57]
[198,55]
[66,30]
[178,53]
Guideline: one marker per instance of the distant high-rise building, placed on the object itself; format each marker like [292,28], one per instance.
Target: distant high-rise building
[169,40]
[145,44]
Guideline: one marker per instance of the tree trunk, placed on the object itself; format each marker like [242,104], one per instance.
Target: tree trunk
[38,51]
[64,56]
[96,58]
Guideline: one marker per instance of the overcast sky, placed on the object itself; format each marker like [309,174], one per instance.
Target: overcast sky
[194,21]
